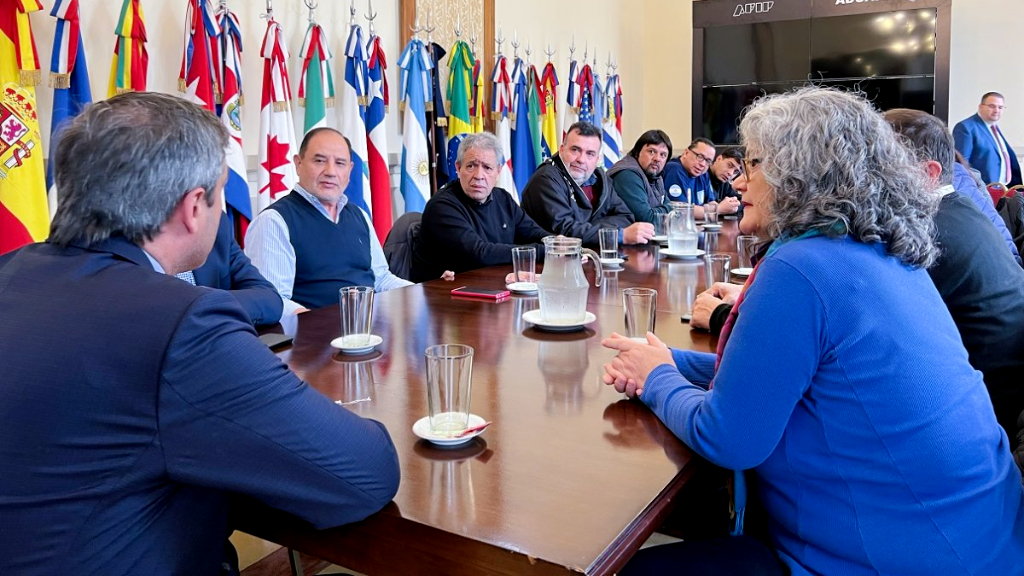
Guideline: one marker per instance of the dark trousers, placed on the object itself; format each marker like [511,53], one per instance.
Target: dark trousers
[723,556]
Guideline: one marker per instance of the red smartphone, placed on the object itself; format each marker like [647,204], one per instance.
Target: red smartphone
[473,292]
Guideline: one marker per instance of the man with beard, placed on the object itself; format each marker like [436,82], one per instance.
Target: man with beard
[570,195]
[637,176]
[686,177]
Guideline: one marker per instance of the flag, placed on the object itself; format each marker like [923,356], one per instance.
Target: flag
[377,139]
[437,118]
[460,82]
[277,131]
[524,161]
[611,145]
[24,217]
[131,61]
[415,90]
[537,109]
[549,95]
[229,74]
[316,85]
[585,84]
[69,78]
[572,98]
[501,108]
[478,110]
[354,100]
[197,77]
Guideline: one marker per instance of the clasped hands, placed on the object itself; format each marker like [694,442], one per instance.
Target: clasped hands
[708,300]
[628,371]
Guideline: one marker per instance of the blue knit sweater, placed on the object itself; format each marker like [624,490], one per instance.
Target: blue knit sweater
[845,387]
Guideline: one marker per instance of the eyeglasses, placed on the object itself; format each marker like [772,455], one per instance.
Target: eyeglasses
[749,164]
[701,157]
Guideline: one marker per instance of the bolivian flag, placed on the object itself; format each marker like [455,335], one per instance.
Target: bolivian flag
[24,216]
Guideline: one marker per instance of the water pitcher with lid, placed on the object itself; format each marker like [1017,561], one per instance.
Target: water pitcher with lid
[682,229]
[563,286]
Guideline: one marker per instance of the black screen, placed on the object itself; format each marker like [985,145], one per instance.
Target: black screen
[763,52]
[863,45]
[889,57]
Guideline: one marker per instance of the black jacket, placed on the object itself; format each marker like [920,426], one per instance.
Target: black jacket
[554,200]
[460,234]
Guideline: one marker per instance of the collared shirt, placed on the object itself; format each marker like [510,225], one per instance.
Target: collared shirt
[156,265]
[946,190]
[268,245]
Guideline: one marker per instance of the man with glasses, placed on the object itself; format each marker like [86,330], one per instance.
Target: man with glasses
[686,177]
[981,141]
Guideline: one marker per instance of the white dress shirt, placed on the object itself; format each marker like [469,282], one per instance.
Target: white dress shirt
[268,245]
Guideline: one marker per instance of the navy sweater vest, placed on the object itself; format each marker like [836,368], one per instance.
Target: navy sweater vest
[328,256]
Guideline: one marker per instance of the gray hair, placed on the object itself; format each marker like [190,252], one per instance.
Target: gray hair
[835,165]
[124,164]
[482,140]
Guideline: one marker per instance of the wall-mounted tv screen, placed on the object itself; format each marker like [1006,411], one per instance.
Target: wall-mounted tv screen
[723,105]
[763,52]
[882,44]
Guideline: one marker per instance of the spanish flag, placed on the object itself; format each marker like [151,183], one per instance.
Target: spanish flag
[24,216]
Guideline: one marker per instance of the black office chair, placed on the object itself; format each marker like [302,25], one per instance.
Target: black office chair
[398,244]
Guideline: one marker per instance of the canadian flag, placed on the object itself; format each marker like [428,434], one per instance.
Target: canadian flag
[277,174]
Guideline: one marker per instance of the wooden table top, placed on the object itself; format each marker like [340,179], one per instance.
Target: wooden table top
[570,478]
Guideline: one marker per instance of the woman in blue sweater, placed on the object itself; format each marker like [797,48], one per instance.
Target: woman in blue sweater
[840,380]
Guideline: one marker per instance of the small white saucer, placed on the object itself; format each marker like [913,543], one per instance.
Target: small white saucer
[422,429]
[674,254]
[741,271]
[534,317]
[660,239]
[616,262]
[712,226]
[522,287]
[345,348]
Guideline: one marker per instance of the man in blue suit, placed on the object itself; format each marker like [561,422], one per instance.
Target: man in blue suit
[228,268]
[137,406]
[981,141]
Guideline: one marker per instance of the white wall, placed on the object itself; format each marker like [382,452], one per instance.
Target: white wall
[987,55]
[651,39]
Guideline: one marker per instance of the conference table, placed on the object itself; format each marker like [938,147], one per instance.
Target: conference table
[571,477]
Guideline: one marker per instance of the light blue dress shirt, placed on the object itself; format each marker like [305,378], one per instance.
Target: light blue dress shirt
[268,245]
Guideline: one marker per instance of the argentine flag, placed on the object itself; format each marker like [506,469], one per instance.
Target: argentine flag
[415,89]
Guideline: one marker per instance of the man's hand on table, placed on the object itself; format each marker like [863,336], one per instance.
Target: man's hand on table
[638,233]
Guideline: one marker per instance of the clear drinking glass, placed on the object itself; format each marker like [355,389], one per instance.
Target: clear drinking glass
[524,264]
[356,304]
[449,380]
[609,238]
[716,268]
[640,306]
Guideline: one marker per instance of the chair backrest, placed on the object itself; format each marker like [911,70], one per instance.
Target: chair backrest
[998,191]
[1011,208]
[398,244]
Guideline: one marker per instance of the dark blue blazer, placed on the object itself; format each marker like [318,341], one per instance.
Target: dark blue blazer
[974,140]
[134,405]
[228,268]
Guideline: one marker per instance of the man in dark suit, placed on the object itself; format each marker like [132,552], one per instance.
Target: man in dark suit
[135,406]
[981,141]
[228,268]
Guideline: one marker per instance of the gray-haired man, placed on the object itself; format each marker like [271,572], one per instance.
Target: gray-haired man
[469,223]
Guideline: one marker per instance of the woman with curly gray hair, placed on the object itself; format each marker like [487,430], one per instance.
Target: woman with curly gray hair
[840,380]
